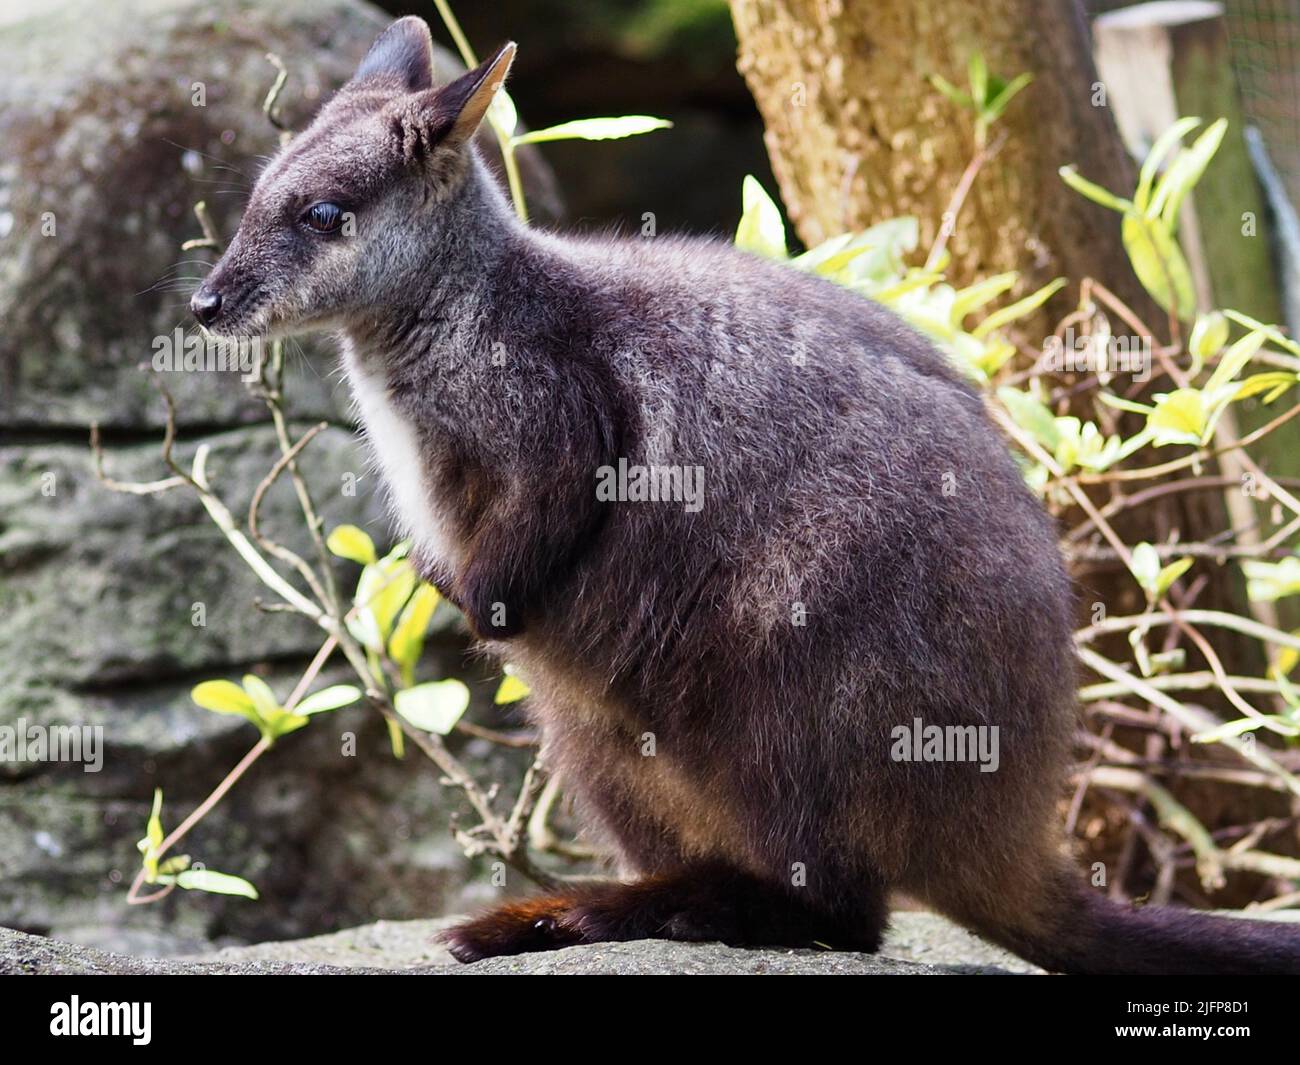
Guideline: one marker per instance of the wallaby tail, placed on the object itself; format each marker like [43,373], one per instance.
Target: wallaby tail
[1083,931]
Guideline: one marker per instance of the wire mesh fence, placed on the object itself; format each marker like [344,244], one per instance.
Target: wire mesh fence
[1264,36]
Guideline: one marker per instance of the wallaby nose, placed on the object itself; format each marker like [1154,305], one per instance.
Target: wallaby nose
[206,305]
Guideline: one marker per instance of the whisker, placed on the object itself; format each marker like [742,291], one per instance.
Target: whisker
[302,356]
[216,159]
[171,284]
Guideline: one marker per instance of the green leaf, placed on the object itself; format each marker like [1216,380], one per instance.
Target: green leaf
[512,689]
[347,541]
[408,637]
[977,73]
[1209,334]
[1274,382]
[1234,360]
[1163,146]
[382,591]
[594,129]
[991,357]
[956,95]
[1270,331]
[1159,263]
[401,549]
[435,706]
[396,738]
[915,281]
[1145,566]
[1019,309]
[216,883]
[1180,417]
[1171,573]
[282,723]
[815,257]
[1093,191]
[1031,415]
[155,832]
[225,697]
[1185,172]
[1120,403]
[1133,444]
[1286,660]
[975,296]
[177,864]
[153,837]
[263,698]
[761,230]
[332,698]
[834,264]
[1270,581]
[885,244]
[1097,452]
[994,107]
[1137,640]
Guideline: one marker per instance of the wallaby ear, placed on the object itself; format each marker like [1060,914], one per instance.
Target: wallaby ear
[403,54]
[469,96]
[448,117]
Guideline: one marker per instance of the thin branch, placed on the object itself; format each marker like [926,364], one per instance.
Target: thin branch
[264,570]
[273,97]
[210,239]
[1218,618]
[138,488]
[983,154]
[270,546]
[1190,719]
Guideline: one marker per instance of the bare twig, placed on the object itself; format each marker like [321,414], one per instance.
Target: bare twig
[270,546]
[948,224]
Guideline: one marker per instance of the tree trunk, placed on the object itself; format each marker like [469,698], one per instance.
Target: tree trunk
[857,133]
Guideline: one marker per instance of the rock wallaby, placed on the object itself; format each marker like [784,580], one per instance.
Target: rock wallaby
[751,540]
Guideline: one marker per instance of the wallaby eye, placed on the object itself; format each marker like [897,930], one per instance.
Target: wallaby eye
[323,217]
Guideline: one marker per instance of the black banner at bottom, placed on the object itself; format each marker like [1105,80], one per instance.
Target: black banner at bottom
[343,1013]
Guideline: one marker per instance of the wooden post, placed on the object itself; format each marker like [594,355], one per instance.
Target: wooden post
[1162,61]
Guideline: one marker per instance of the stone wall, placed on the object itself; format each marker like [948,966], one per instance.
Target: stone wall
[106,150]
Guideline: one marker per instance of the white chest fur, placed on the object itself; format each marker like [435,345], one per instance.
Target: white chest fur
[395,444]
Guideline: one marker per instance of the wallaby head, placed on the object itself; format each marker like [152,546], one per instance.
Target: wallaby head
[328,232]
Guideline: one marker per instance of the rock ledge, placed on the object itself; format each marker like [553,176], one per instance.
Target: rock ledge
[918,945]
